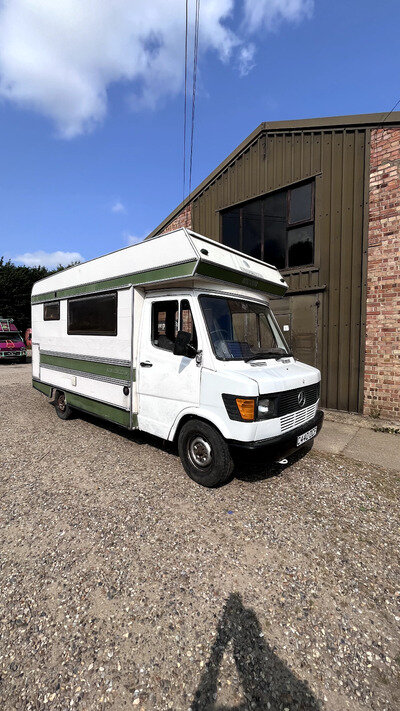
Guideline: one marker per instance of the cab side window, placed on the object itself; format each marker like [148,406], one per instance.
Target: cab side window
[164,324]
[167,319]
[187,324]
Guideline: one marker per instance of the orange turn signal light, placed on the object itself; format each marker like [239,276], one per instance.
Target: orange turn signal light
[246,407]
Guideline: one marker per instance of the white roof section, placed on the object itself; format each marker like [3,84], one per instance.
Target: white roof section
[177,255]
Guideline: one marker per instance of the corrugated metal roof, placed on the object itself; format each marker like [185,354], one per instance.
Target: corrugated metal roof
[329,122]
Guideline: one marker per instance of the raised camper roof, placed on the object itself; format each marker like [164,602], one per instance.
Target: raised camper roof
[179,255]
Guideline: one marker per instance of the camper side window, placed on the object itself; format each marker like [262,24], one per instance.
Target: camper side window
[93,315]
[164,324]
[51,311]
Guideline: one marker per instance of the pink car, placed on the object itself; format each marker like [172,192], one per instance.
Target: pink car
[12,346]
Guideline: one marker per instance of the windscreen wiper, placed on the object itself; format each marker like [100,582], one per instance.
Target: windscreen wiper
[271,353]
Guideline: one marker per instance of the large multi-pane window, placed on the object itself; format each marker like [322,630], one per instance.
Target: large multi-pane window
[277,228]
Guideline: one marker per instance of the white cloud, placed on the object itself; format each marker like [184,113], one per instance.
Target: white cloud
[118,207]
[246,59]
[270,13]
[48,259]
[59,57]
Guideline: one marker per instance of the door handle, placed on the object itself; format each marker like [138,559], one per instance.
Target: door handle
[146,364]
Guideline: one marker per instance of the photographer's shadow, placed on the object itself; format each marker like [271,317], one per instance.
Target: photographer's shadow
[266,681]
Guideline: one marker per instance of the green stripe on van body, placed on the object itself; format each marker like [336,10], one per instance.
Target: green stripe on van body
[93,407]
[120,372]
[138,278]
[101,409]
[51,369]
[42,387]
[214,271]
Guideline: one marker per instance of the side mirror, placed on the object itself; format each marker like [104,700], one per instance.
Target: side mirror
[182,342]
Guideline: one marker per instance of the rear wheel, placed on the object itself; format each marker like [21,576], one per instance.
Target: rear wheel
[63,410]
[204,454]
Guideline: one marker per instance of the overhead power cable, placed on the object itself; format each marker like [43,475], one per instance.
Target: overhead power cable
[390,112]
[185,102]
[195,58]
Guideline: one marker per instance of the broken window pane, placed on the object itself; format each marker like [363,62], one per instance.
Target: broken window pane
[301,246]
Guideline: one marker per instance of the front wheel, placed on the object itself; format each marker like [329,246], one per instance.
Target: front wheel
[63,410]
[204,454]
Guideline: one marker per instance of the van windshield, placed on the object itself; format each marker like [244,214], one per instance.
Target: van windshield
[242,330]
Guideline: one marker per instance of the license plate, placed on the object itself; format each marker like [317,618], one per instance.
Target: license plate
[306,436]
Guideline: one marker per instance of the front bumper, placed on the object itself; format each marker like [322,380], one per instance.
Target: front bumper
[9,354]
[285,444]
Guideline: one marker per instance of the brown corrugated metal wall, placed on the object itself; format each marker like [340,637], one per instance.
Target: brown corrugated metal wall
[337,158]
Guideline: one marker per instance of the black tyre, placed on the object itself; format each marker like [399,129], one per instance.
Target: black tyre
[204,454]
[63,410]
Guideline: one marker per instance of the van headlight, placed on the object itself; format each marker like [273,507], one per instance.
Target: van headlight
[242,409]
[266,407]
[250,409]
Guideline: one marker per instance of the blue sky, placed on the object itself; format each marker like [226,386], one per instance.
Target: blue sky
[91,114]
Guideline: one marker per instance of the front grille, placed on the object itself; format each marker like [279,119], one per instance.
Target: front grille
[295,419]
[288,400]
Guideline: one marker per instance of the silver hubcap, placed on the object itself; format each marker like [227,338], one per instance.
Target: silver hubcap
[61,403]
[200,452]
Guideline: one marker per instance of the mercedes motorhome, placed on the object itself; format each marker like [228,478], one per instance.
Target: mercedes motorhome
[175,336]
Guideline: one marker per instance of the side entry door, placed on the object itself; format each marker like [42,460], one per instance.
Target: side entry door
[298,317]
[167,383]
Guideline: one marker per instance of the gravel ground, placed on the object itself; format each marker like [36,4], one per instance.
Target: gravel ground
[124,585]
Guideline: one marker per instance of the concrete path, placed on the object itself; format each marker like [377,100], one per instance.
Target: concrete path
[354,437]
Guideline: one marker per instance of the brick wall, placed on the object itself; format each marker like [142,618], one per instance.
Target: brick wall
[382,348]
[183,219]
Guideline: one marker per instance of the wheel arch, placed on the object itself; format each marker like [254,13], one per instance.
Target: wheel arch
[202,415]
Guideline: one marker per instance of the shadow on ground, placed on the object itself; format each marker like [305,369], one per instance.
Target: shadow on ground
[249,466]
[15,361]
[253,466]
[266,681]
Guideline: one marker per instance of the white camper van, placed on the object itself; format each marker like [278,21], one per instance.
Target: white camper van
[175,336]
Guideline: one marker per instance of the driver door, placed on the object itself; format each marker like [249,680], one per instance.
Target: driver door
[167,383]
